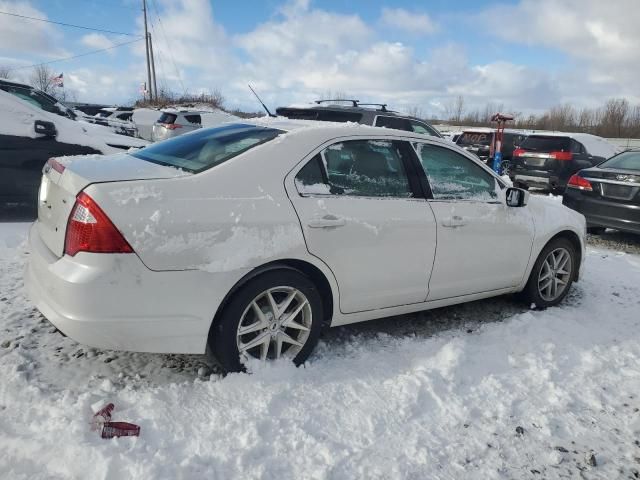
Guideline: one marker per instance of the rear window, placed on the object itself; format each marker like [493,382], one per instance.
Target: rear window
[207,148]
[319,114]
[396,123]
[474,138]
[538,143]
[193,119]
[167,118]
[624,161]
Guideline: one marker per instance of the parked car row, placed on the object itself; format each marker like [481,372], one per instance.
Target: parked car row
[35,127]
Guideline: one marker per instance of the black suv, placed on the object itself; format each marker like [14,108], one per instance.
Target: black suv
[549,160]
[479,141]
[356,112]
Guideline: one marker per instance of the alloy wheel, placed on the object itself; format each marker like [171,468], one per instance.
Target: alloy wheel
[275,324]
[555,274]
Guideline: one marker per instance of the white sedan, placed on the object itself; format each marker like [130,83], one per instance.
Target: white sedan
[248,239]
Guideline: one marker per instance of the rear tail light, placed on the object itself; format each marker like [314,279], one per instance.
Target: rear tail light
[518,151]
[172,126]
[90,230]
[580,183]
[561,155]
[55,165]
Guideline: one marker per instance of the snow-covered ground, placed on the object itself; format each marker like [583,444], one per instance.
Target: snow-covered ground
[484,390]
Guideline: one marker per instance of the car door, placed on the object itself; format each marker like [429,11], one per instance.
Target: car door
[363,214]
[483,244]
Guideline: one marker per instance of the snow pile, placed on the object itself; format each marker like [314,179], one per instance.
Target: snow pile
[485,390]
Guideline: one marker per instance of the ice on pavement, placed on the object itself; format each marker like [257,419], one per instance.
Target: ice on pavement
[485,390]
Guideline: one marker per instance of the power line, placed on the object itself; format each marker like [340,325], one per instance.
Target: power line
[68,24]
[173,61]
[79,55]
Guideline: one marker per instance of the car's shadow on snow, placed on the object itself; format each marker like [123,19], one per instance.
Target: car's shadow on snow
[66,362]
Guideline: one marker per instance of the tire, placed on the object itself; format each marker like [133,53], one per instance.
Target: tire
[269,330]
[596,230]
[546,297]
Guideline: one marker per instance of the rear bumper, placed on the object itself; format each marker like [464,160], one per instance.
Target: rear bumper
[113,301]
[604,213]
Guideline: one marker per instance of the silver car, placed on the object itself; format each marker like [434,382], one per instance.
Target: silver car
[173,124]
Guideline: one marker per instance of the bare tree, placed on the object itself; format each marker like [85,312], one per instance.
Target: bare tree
[42,78]
[416,112]
[614,114]
[5,72]
[561,117]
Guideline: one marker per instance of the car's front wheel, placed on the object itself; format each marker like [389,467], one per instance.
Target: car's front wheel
[275,315]
[552,274]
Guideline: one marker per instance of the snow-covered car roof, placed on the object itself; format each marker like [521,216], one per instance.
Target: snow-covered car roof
[17,118]
[595,145]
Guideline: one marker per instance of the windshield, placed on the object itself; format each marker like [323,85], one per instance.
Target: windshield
[624,161]
[474,138]
[37,99]
[207,148]
[546,144]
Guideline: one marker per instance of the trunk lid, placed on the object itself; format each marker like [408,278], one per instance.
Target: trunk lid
[58,190]
[615,184]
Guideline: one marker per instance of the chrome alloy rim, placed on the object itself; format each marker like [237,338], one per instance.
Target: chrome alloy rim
[555,274]
[275,324]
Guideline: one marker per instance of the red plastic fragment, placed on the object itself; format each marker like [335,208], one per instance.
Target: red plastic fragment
[120,429]
[101,416]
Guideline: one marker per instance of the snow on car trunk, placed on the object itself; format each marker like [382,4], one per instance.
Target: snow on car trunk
[61,185]
[485,390]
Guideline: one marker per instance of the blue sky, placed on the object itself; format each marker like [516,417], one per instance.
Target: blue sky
[525,55]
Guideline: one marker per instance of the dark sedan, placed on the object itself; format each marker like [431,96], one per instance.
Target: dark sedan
[608,195]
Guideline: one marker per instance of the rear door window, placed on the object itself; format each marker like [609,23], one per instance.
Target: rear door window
[168,118]
[365,168]
[453,176]
[394,122]
[193,119]
[207,148]
[538,143]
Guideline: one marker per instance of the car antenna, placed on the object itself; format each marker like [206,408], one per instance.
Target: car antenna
[261,102]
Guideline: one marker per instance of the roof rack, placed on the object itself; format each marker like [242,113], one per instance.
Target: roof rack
[355,102]
[383,106]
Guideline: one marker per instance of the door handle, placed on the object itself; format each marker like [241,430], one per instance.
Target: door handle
[327,221]
[454,222]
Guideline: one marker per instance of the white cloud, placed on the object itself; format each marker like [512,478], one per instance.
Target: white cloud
[600,39]
[412,22]
[97,41]
[19,36]
[303,52]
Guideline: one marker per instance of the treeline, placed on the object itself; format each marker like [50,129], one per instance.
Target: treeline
[617,118]
[215,99]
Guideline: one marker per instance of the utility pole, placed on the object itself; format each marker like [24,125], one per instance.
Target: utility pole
[153,69]
[146,41]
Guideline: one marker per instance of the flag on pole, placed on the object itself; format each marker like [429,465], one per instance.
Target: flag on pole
[58,81]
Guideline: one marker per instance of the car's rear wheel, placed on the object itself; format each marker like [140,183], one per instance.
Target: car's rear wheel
[275,315]
[552,274]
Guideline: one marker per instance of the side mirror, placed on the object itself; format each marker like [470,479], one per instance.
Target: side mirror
[46,129]
[517,197]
